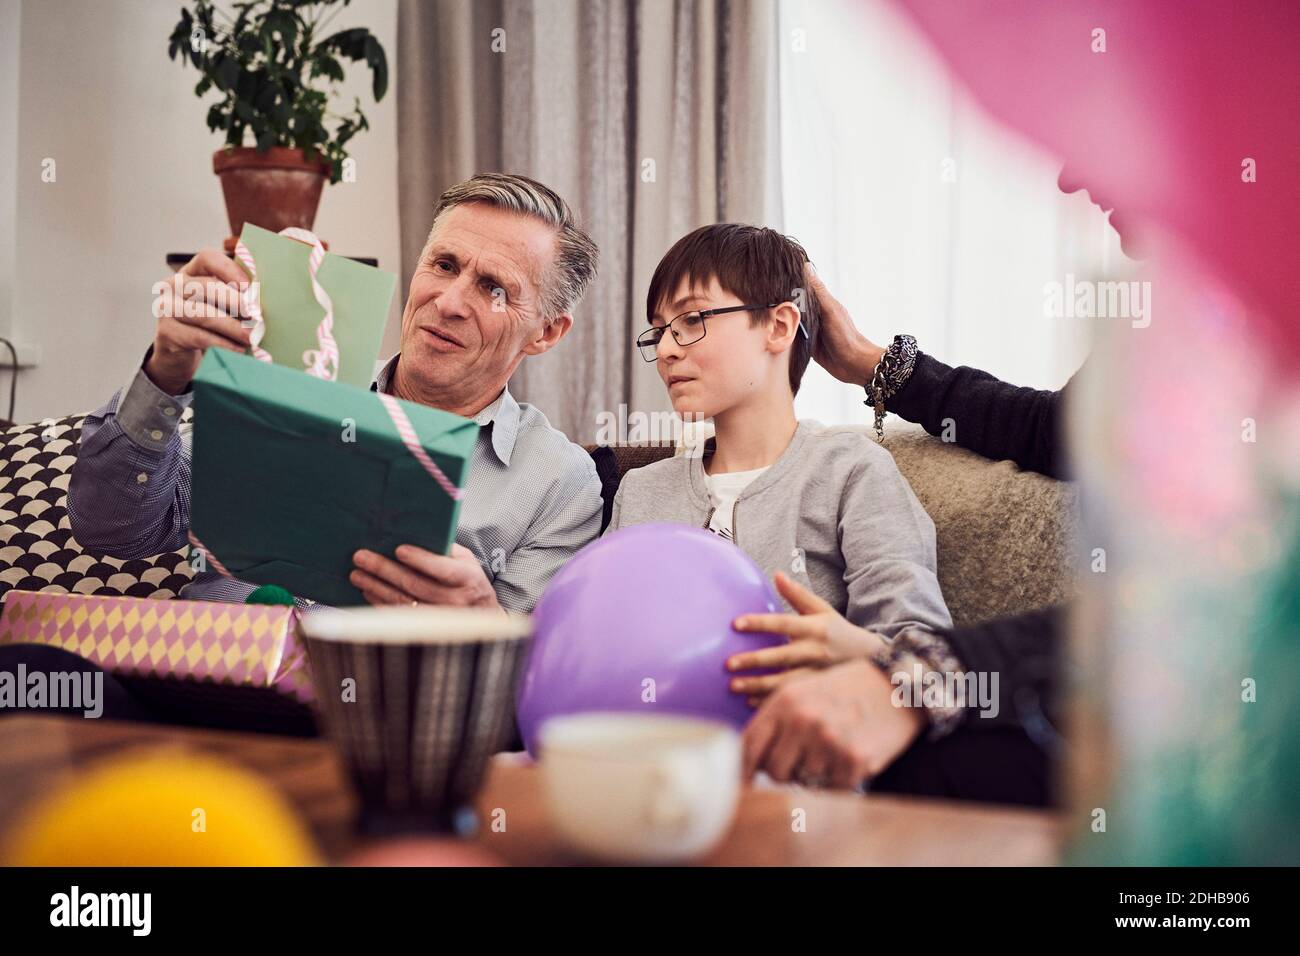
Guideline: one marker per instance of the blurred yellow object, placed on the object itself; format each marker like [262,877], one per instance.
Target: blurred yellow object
[160,808]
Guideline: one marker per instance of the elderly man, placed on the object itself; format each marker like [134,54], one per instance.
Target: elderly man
[503,268]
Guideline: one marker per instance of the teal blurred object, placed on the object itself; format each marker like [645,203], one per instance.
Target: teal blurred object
[1261,825]
[1230,796]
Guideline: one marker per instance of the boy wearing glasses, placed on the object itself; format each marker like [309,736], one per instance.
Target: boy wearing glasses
[817,504]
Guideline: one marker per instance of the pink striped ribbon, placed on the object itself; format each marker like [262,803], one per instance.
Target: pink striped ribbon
[208,556]
[252,308]
[406,431]
[322,362]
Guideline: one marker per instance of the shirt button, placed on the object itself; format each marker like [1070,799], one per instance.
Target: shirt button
[156,435]
[141,478]
[169,411]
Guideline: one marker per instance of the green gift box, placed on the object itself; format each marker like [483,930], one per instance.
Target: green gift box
[360,296]
[292,474]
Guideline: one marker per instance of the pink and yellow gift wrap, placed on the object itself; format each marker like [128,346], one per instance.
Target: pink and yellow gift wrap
[211,641]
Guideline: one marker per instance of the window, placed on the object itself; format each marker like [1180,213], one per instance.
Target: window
[922,214]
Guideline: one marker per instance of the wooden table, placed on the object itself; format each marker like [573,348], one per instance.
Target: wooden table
[841,829]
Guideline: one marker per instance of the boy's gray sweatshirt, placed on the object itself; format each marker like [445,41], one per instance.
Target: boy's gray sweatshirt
[833,512]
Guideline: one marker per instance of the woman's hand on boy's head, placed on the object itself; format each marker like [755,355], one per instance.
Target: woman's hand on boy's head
[839,347]
[819,636]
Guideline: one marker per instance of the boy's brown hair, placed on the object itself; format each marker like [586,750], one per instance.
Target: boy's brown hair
[755,264]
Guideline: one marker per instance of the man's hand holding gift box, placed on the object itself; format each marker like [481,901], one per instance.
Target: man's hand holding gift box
[422,577]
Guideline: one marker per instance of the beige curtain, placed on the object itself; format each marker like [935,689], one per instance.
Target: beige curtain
[651,117]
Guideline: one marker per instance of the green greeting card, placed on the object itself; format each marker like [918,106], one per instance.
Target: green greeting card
[360,295]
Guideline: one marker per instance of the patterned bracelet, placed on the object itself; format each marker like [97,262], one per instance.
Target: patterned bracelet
[916,658]
[891,374]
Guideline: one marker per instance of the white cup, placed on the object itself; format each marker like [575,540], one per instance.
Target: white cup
[650,788]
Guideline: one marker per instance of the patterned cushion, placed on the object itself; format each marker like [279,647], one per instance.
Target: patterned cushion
[37,550]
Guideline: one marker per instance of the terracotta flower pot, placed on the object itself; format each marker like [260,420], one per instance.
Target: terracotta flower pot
[274,190]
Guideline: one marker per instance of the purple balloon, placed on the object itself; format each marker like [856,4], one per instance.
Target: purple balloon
[653,601]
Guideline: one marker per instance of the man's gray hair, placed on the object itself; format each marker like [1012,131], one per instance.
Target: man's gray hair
[575,253]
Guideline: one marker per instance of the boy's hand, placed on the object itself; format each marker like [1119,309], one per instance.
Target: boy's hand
[840,348]
[819,637]
[835,728]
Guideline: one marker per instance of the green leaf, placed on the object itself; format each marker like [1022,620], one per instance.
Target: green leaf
[247,88]
[266,97]
[284,22]
[349,43]
[325,65]
[281,113]
[378,64]
[227,72]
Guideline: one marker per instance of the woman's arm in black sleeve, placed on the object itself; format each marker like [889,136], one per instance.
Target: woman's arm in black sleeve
[1026,654]
[989,417]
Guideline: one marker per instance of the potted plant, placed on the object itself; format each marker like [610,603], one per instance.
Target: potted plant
[276,70]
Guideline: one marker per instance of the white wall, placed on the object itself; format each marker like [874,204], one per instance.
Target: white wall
[97,94]
[10,31]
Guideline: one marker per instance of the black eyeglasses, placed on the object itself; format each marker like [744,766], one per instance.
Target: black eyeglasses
[688,328]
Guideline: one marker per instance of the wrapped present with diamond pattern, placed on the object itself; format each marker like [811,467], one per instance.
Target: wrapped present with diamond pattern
[213,642]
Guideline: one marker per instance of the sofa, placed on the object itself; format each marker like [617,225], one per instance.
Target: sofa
[1005,537]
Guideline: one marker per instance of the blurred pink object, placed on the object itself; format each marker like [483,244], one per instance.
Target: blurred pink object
[1161,125]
